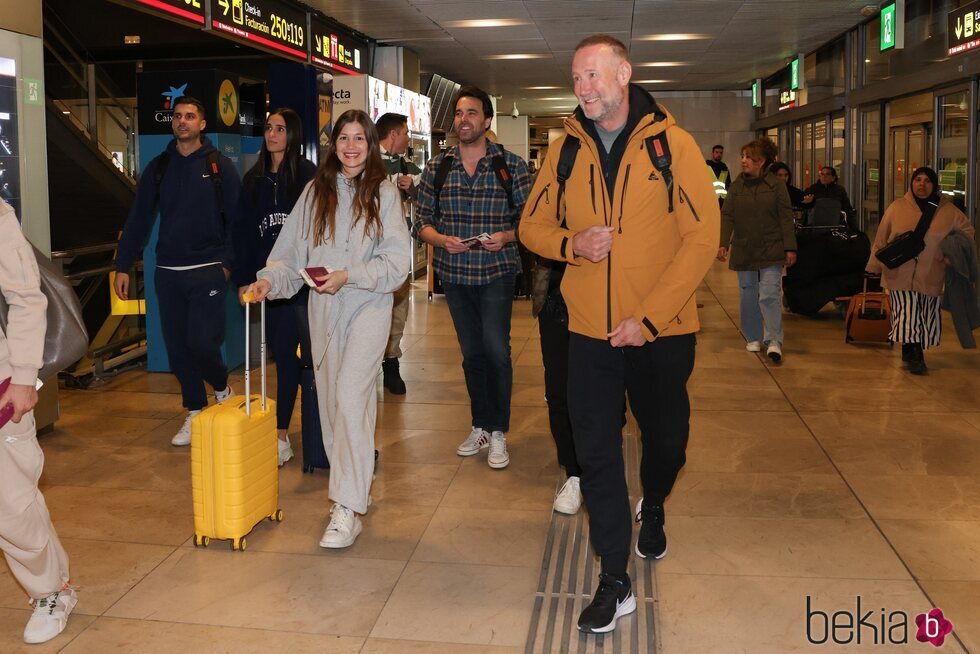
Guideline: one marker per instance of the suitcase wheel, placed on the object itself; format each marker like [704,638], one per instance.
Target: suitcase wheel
[238,544]
[308,468]
[277,516]
[202,541]
[430,296]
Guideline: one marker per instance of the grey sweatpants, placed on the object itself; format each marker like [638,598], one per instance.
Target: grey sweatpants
[27,537]
[347,395]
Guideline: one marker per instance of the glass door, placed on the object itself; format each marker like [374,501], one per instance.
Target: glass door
[870,204]
[953,146]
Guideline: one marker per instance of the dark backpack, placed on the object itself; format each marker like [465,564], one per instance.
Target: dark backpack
[213,166]
[500,171]
[657,149]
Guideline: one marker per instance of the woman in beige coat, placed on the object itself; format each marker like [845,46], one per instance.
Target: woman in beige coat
[915,288]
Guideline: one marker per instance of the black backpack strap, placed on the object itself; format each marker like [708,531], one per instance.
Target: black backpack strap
[566,162]
[499,165]
[214,172]
[659,152]
[442,172]
[159,170]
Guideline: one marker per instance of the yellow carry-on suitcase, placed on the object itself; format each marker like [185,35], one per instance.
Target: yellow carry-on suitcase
[234,462]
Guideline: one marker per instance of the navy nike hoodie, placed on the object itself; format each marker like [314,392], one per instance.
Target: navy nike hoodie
[191,227]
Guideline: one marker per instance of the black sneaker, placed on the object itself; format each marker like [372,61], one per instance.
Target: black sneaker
[652,541]
[613,599]
[906,352]
[392,377]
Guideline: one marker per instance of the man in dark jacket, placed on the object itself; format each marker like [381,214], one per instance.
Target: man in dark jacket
[194,254]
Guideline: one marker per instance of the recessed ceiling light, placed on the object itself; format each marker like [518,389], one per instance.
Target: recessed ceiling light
[653,81]
[663,64]
[517,56]
[671,37]
[563,98]
[486,22]
[543,88]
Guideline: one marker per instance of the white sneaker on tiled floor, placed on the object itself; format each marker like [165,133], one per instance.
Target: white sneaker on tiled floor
[476,441]
[569,498]
[285,450]
[754,346]
[50,616]
[343,528]
[221,396]
[183,436]
[498,456]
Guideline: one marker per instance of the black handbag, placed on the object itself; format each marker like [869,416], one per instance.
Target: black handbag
[66,339]
[907,245]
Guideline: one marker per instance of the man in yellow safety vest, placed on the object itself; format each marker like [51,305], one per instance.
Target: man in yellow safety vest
[722,178]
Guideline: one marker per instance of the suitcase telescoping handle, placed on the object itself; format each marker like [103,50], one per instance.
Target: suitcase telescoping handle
[248,367]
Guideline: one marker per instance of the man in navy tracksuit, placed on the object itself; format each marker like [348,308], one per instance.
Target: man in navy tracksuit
[194,254]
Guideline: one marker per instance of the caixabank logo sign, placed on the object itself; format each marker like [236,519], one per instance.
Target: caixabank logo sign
[170,96]
[874,626]
[228,103]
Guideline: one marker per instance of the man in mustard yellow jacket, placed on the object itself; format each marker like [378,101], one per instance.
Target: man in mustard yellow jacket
[638,223]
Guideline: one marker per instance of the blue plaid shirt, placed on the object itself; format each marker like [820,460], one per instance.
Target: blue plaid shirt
[469,207]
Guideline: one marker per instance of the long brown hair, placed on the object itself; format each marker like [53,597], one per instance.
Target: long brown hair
[367,195]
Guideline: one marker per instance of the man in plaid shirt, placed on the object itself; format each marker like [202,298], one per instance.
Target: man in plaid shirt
[478,281]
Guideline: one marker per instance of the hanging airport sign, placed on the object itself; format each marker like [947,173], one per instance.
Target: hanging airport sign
[267,24]
[892,26]
[189,11]
[757,93]
[796,73]
[336,49]
[787,99]
[963,28]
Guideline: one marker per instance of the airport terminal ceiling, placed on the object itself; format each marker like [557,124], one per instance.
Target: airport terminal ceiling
[731,43]
[518,50]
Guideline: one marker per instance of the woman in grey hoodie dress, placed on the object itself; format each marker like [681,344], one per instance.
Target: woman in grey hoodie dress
[347,220]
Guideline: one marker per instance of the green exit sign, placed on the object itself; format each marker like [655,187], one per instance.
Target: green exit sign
[794,74]
[892,34]
[756,96]
[887,28]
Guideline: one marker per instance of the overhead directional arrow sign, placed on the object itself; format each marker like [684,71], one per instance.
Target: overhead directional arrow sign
[225,7]
[961,28]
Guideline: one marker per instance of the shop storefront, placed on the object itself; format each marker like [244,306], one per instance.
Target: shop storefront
[876,111]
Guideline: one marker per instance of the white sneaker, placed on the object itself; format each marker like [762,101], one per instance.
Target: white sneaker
[183,436]
[285,450]
[221,396]
[498,457]
[775,352]
[753,346]
[476,441]
[343,528]
[50,616]
[569,498]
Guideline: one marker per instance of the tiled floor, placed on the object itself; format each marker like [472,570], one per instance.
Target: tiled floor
[835,476]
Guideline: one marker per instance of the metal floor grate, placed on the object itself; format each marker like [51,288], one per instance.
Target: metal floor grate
[569,573]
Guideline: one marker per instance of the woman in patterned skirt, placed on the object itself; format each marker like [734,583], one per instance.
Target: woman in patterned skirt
[915,288]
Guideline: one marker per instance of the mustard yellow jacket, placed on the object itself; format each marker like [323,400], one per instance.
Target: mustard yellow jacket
[658,258]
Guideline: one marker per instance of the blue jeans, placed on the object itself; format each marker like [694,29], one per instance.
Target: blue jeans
[761,305]
[481,315]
